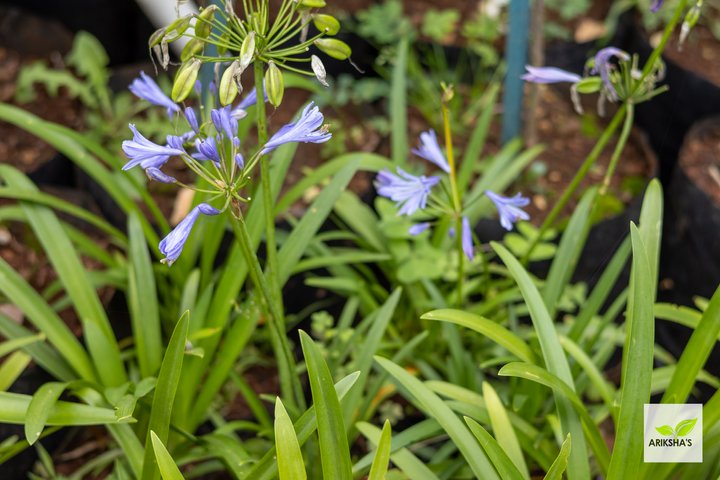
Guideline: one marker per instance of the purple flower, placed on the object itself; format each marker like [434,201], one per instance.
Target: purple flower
[145,87]
[656,5]
[224,121]
[192,119]
[549,75]
[410,192]
[148,154]
[207,150]
[307,130]
[604,67]
[172,245]
[157,175]
[418,228]
[509,208]
[430,150]
[466,237]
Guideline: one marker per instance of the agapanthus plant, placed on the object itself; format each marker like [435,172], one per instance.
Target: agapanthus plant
[422,198]
[211,148]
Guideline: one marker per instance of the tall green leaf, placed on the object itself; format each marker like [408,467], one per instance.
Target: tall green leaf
[503,429]
[554,359]
[165,462]
[504,465]
[637,372]
[334,450]
[289,457]
[560,464]
[164,396]
[379,467]
[433,406]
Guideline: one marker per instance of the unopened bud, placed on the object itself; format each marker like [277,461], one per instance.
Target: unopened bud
[185,80]
[312,3]
[326,23]
[274,84]
[203,24]
[319,69]
[192,48]
[689,23]
[228,89]
[334,48]
[177,28]
[247,50]
[588,85]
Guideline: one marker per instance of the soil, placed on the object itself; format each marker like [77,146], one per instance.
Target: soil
[700,158]
[699,54]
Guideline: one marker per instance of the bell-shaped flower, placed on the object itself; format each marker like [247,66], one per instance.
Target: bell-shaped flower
[145,87]
[172,245]
[604,67]
[207,150]
[466,238]
[656,5]
[430,150]
[549,75]
[224,121]
[146,153]
[159,176]
[192,119]
[509,208]
[410,192]
[308,129]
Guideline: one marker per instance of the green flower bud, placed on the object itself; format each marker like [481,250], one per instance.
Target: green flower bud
[157,37]
[589,85]
[193,47]
[312,3]
[177,28]
[326,23]
[228,89]
[247,50]
[203,24]
[274,84]
[185,80]
[334,48]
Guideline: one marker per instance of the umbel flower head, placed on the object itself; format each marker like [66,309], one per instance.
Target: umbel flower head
[208,143]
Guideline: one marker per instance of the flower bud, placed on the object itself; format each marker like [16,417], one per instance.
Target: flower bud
[691,19]
[326,23]
[228,89]
[589,85]
[334,48]
[185,80]
[203,24]
[247,50]
[274,84]
[193,47]
[319,69]
[312,3]
[177,28]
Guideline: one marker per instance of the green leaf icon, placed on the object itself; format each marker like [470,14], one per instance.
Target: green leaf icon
[684,427]
[665,430]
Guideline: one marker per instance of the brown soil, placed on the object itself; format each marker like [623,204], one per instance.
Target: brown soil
[700,158]
[700,53]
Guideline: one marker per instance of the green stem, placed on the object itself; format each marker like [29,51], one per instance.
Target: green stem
[624,135]
[457,203]
[575,182]
[289,382]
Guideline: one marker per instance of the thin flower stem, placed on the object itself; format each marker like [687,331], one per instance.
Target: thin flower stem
[624,135]
[575,182]
[289,381]
[457,204]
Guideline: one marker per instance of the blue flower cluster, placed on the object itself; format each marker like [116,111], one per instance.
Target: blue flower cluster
[215,141]
[411,193]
